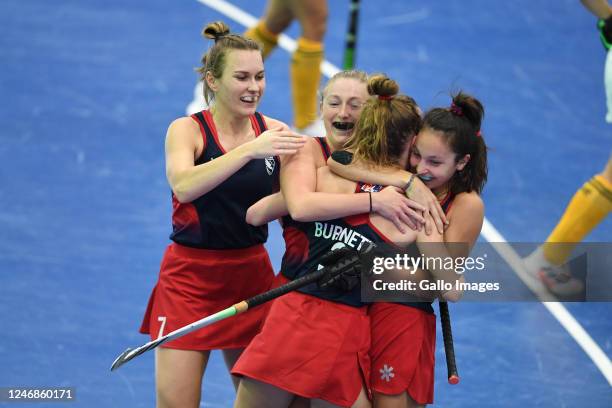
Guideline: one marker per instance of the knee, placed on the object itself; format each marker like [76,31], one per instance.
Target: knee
[314,24]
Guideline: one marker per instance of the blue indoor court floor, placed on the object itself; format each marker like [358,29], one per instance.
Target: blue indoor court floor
[90,86]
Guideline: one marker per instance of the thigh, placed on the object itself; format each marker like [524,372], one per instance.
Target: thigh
[278,15]
[402,400]
[255,394]
[312,16]
[178,377]
[362,401]
[230,356]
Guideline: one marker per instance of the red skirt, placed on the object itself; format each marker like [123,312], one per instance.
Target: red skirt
[194,283]
[312,348]
[403,351]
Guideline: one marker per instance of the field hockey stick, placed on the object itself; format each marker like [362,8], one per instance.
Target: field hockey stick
[449,348]
[351,36]
[343,265]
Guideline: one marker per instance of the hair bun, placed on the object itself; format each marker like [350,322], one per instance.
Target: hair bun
[216,30]
[382,86]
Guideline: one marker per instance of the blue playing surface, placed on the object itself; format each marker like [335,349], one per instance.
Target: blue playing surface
[89,88]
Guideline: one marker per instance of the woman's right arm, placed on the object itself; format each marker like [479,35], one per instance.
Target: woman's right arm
[298,184]
[417,191]
[189,181]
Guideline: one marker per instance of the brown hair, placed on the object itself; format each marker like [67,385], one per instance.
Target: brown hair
[386,124]
[460,126]
[213,60]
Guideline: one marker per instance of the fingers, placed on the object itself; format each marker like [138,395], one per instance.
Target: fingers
[441,212]
[415,218]
[436,219]
[416,206]
[428,226]
[398,224]
[439,218]
[406,219]
[287,142]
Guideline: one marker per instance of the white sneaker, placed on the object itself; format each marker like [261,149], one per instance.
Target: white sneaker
[316,129]
[557,279]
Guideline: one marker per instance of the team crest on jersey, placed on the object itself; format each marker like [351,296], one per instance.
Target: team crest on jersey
[371,188]
[270,165]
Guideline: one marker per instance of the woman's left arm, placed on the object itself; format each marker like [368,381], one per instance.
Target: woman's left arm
[267,209]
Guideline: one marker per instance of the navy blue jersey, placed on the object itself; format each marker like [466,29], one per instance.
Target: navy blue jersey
[320,237]
[293,232]
[216,220]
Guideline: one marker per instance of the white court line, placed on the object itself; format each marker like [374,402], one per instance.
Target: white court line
[489,232]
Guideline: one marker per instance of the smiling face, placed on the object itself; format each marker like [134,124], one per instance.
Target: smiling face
[242,83]
[342,104]
[433,160]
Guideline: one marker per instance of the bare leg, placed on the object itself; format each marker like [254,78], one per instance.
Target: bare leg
[278,16]
[231,356]
[312,16]
[256,394]
[402,400]
[178,377]
[361,402]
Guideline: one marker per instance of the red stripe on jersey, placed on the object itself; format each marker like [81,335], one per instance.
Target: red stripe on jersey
[202,131]
[185,218]
[364,219]
[213,129]
[255,125]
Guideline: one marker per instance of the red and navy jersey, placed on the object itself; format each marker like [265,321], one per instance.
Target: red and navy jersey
[293,231]
[447,201]
[320,237]
[216,220]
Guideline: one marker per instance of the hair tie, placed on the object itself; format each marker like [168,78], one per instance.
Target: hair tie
[219,36]
[478,134]
[456,110]
[385,97]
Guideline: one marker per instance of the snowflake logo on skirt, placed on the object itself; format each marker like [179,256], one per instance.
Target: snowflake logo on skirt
[386,373]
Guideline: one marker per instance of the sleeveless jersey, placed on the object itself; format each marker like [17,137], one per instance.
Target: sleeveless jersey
[321,237]
[296,244]
[216,220]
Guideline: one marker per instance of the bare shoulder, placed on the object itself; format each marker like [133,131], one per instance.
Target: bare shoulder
[184,126]
[275,123]
[466,217]
[468,203]
[184,133]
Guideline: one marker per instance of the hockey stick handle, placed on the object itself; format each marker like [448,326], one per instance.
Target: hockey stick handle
[233,310]
[351,36]
[449,348]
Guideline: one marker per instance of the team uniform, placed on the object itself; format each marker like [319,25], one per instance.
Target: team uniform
[216,258]
[404,345]
[315,341]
